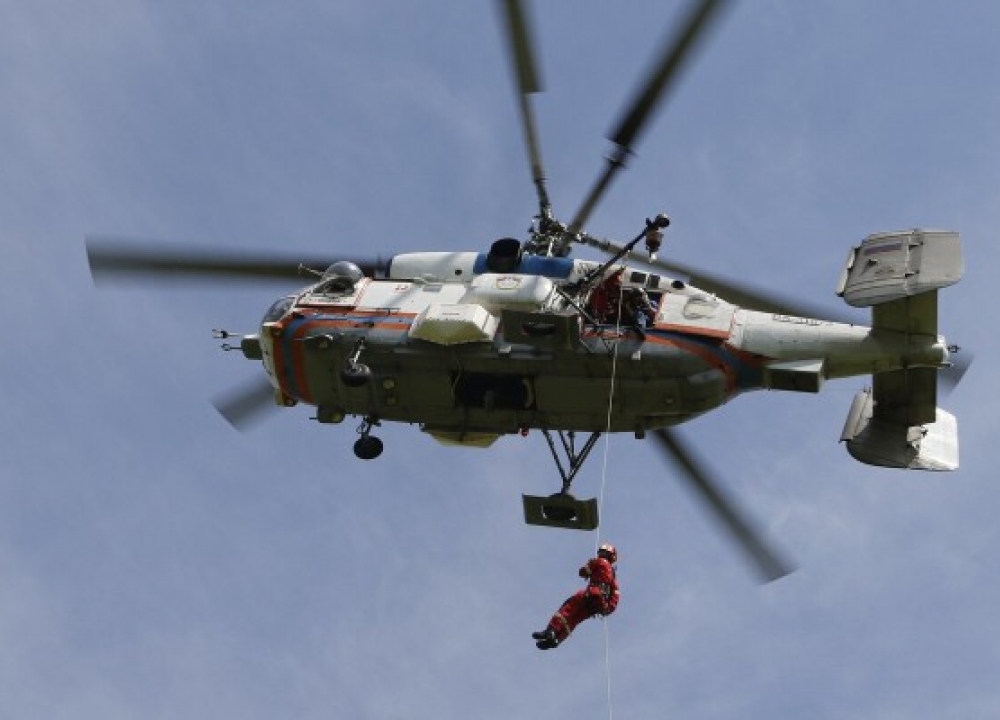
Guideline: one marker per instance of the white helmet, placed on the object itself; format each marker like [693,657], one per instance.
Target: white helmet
[609,552]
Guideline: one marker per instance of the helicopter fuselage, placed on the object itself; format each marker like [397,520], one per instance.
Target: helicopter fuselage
[470,354]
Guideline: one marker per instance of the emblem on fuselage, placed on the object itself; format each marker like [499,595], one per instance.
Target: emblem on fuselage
[509,282]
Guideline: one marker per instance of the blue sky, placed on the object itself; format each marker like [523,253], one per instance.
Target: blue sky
[157,564]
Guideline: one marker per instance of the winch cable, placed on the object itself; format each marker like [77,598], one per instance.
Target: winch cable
[604,482]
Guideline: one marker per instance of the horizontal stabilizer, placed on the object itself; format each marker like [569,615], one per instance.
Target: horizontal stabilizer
[890,266]
[795,375]
[900,435]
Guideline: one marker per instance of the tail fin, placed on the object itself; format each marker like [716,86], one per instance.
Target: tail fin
[876,437]
[896,422]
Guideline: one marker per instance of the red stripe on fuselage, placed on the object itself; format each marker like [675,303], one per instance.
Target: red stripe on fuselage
[290,360]
[702,332]
[300,376]
[278,356]
[702,352]
[689,346]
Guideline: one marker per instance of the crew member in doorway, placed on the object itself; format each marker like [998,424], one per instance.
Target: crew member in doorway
[612,303]
[605,299]
[638,310]
[600,597]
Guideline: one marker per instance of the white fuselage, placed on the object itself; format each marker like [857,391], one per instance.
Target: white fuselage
[485,354]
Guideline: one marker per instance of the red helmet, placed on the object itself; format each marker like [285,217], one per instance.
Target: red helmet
[609,553]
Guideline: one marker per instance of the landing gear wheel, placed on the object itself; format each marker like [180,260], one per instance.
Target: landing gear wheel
[356,375]
[368,447]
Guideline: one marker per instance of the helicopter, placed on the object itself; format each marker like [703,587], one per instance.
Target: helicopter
[473,346]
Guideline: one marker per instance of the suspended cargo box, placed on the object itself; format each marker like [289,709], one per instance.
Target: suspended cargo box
[561,510]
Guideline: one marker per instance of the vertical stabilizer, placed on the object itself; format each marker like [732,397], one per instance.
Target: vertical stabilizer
[896,422]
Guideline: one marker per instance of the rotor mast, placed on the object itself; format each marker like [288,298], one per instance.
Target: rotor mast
[548,236]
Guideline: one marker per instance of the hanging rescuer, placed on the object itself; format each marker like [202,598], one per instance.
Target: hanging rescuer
[600,597]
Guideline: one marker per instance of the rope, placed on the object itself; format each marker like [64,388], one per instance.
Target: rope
[607,424]
[604,482]
[607,666]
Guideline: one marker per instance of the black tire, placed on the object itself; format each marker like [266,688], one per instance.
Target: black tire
[368,447]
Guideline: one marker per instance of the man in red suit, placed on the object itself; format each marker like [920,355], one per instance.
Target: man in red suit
[606,297]
[600,597]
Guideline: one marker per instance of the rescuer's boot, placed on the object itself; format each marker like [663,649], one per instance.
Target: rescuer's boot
[546,639]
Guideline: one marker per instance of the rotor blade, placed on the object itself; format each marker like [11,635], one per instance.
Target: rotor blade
[676,52]
[116,259]
[752,298]
[247,404]
[768,564]
[522,55]
[668,69]
[737,293]
[952,375]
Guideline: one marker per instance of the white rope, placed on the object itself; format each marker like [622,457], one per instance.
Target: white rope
[607,666]
[604,482]
[607,424]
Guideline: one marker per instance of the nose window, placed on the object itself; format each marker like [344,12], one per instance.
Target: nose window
[278,309]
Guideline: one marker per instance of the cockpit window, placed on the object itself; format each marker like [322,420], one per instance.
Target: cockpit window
[279,309]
